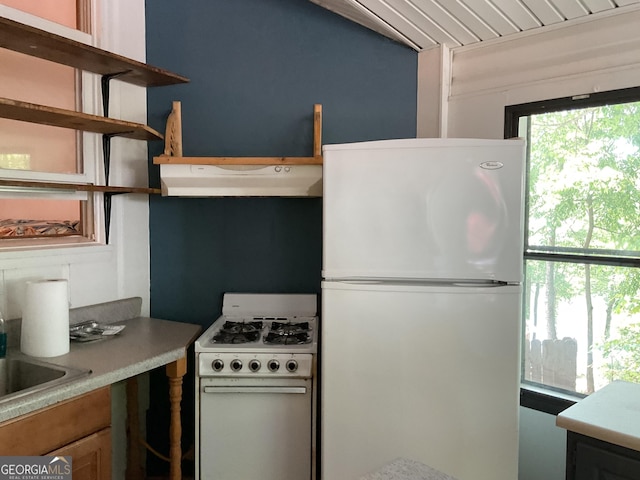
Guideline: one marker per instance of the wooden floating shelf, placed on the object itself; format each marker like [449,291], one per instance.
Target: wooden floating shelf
[48,46]
[238,160]
[78,187]
[58,117]
[173,146]
[38,43]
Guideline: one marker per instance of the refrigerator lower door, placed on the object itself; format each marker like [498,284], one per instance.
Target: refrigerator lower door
[425,373]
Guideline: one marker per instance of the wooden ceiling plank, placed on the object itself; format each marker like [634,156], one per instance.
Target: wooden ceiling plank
[518,13]
[398,21]
[570,8]
[596,6]
[352,10]
[423,24]
[431,16]
[491,16]
[545,11]
[467,17]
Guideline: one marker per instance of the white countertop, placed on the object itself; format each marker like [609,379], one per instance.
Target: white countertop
[144,344]
[611,414]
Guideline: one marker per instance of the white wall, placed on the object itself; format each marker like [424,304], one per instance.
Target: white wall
[542,447]
[433,78]
[582,58]
[585,57]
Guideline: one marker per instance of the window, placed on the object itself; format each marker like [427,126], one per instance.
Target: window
[42,153]
[581,326]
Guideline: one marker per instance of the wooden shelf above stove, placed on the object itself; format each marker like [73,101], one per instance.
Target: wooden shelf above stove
[173,146]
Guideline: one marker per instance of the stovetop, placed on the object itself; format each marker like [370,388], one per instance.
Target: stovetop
[287,324]
[293,334]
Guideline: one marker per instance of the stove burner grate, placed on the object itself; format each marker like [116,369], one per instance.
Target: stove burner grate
[300,338]
[235,338]
[233,332]
[290,333]
[289,328]
[241,327]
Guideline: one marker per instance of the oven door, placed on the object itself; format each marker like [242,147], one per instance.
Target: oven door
[255,428]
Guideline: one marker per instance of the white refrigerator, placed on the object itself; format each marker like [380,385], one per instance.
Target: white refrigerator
[421,306]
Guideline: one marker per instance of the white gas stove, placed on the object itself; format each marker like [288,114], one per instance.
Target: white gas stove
[256,373]
[261,334]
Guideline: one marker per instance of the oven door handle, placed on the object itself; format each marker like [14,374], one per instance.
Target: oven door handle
[298,390]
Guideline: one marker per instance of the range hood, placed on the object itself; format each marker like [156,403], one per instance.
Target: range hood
[241,180]
[182,176]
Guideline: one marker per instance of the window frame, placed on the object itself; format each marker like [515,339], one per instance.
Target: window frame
[536,396]
[89,144]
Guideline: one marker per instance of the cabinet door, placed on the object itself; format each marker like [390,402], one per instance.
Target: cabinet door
[593,463]
[58,425]
[91,456]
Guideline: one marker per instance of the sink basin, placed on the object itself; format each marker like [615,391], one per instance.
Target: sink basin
[22,375]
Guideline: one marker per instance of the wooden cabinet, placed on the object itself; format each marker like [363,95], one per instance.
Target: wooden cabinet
[589,458]
[91,456]
[80,427]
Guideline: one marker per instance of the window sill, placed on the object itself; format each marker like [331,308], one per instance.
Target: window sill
[22,253]
[546,400]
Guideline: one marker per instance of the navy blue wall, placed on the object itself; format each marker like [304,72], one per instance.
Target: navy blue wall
[256,69]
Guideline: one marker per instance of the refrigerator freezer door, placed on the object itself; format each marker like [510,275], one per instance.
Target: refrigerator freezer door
[425,373]
[424,208]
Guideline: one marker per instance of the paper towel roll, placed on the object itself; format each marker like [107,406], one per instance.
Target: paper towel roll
[45,319]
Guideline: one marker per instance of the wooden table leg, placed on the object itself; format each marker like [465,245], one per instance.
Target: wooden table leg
[175,372]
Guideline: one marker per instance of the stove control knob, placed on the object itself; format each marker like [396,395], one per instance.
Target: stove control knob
[273,365]
[254,365]
[292,365]
[217,365]
[236,365]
